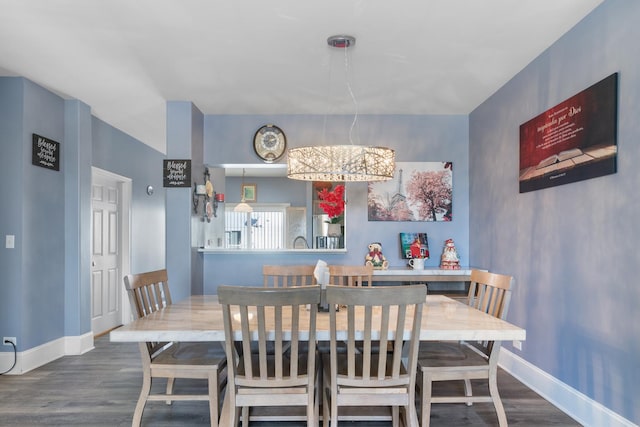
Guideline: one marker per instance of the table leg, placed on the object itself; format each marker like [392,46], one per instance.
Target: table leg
[493,383]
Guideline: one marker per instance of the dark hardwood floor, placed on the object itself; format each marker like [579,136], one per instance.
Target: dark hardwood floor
[100,388]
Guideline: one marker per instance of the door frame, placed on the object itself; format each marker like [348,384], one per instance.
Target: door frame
[124,238]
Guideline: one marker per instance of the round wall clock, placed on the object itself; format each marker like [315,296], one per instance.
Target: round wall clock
[269,143]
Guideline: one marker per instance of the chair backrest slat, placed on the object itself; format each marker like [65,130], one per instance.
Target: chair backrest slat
[148,292]
[384,337]
[351,275]
[280,317]
[377,314]
[283,276]
[491,294]
[246,343]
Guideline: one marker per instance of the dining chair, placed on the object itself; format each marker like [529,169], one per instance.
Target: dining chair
[149,292]
[276,317]
[367,377]
[351,275]
[466,360]
[282,276]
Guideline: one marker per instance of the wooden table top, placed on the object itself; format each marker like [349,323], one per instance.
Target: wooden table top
[199,318]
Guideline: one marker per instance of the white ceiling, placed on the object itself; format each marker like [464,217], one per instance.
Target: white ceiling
[126,58]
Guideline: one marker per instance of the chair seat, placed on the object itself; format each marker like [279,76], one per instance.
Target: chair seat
[449,354]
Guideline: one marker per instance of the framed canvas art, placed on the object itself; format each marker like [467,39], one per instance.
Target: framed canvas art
[572,141]
[418,192]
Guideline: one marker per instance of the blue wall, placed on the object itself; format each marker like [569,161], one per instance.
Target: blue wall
[228,139]
[11,183]
[119,153]
[45,280]
[572,248]
[33,272]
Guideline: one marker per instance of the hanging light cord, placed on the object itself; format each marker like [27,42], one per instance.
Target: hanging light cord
[328,110]
[242,188]
[353,97]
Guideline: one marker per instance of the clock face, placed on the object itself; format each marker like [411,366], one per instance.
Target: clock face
[269,143]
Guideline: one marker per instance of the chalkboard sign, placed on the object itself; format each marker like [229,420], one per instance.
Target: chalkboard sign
[45,153]
[176,173]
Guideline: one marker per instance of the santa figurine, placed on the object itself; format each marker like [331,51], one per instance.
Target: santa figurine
[449,259]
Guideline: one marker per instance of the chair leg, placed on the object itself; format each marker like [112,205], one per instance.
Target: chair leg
[313,405]
[410,410]
[245,416]
[410,416]
[213,397]
[395,416]
[170,382]
[334,412]
[316,399]
[495,396]
[144,394]
[235,416]
[425,400]
[468,391]
[325,408]
[311,413]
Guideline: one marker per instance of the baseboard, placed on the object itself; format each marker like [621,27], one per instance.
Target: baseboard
[48,352]
[578,406]
[79,344]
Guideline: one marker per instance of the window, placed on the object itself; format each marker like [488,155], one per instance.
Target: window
[264,228]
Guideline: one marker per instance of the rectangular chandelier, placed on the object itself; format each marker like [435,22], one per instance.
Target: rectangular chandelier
[338,163]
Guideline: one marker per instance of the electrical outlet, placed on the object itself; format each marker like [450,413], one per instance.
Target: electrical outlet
[518,345]
[9,340]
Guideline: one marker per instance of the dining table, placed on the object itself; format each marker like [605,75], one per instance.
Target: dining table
[199,318]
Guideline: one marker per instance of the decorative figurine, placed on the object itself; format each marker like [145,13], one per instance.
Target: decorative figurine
[449,259]
[375,257]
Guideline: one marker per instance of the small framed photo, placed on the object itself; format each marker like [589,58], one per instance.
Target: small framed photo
[414,245]
[250,192]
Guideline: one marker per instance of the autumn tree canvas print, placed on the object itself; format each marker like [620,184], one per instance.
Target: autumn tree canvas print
[419,191]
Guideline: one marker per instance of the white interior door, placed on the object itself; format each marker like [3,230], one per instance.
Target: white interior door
[106,300]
